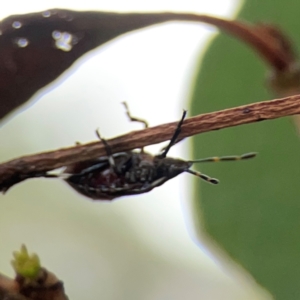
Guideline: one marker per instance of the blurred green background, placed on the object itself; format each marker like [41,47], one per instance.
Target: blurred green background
[254,212]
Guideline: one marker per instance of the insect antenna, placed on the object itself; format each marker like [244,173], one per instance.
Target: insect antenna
[203,176]
[216,159]
[225,158]
[174,137]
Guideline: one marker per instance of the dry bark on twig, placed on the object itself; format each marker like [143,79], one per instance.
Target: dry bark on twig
[37,165]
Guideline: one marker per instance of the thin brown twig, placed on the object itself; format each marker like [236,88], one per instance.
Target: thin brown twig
[9,289]
[36,165]
[6,295]
[8,284]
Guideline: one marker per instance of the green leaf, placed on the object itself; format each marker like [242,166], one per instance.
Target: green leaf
[254,213]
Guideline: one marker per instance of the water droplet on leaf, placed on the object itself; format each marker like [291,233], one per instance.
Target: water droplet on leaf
[69,18]
[56,34]
[64,40]
[46,14]
[22,42]
[16,24]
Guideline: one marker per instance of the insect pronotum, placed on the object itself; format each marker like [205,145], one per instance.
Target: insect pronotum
[134,172]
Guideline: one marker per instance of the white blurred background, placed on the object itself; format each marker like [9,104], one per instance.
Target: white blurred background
[139,247]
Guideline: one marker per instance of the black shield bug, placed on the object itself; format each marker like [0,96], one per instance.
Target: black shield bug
[131,172]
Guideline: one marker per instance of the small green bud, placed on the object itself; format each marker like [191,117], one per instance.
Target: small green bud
[26,265]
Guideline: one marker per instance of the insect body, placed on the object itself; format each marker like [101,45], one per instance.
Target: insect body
[134,173]
[131,173]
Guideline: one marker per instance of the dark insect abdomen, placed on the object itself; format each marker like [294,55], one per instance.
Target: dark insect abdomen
[134,173]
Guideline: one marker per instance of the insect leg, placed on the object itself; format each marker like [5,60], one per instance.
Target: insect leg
[134,119]
[46,175]
[174,137]
[108,152]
